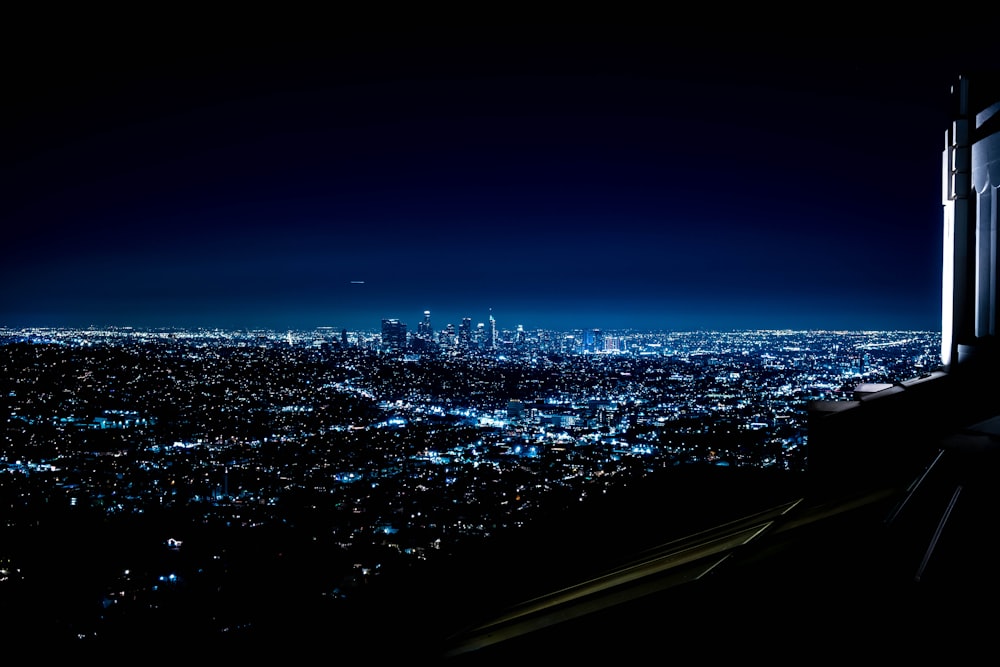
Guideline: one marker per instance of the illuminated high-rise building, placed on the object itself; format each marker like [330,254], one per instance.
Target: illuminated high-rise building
[491,332]
[424,329]
[393,334]
[465,333]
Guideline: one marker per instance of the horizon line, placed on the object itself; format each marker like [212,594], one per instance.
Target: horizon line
[285,329]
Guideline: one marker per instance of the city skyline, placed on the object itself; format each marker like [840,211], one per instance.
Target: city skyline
[590,179]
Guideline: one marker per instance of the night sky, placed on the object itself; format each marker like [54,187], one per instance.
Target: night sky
[564,178]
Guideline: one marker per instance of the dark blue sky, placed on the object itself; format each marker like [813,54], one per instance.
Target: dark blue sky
[567,178]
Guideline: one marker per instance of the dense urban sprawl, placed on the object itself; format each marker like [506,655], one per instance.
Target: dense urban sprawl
[194,460]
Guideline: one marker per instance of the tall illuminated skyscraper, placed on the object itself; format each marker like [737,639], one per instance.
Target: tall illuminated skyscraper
[424,329]
[465,333]
[393,334]
[491,332]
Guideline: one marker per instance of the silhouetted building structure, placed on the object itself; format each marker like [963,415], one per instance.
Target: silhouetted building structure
[970,179]
[465,333]
[424,329]
[393,334]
